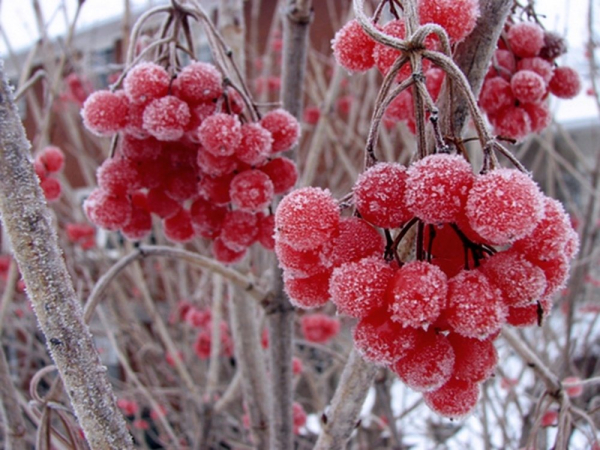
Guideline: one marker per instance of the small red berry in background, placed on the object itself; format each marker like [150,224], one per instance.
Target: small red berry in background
[319,328]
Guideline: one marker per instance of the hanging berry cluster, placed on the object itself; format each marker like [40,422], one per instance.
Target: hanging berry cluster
[47,164]
[522,74]
[189,155]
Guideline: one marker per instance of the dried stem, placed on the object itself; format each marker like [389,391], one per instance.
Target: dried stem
[10,411]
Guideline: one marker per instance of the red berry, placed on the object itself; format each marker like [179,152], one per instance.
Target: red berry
[216,189]
[52,188]
[458,18]
[307,218]
[299,417]
[475,359]
[118,175]
[79,231]
[573,386]
[356,239]
[283,173]
[198,114]
[215,165]
[434,78]
[527,86]
[379,195]
[512,122]
[145,82]
[557,273]
[529,315]
[182,184]
[266,231]
[353,48]
[385,56]
[538,65]
[319,328]
[107,210]
[539,115]
[225,254]
[198,82]
[565,82]
[284,128]
[239,229]
[207,218]
[220,134]
[255,146]
[311,115]
[53,159]
[309,292]
[302,263]
[166,118]
[251,190]
[503,64]
[139,224]
[140,149]
[496,94]
[178,227]
[455,399]
[526,39]
[104,112]
[549,419]
[554,46]
[161,204]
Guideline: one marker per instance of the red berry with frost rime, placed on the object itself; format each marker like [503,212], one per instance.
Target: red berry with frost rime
[104,112]
[539,115]
[298,416]
[573,386]
[379,195]
[235,101]
[538,65]
[52,188]
[496,94]
[437,187]
[118,175]
[356,239]
[527,86]
[401,107]
[135,123]
[565,82]
[266,231]
[319,328]
[198,82]
[309,292]
[53,159]
[224,254]
[529,315]
[475,306]
[358,288]
[307,218]
[178,227]
[434,78]
[284,128]
[216,189]
[161,204]
[239,229]
[220,134]
[520,281]
[557,273]
[554,46]
[455,399]
[503,64]
[251,190]
[311,115]
[181,184]
[353,48]
[107,210]
[297,367]
[215,165]
[40,169]
[140,149]
[302,263]
[283,173]
[207,218]
[512,122]
[165,118]
[198,114]
[474,359]
[446,249]
[255,145]
[382,341]
[429,364]
[145,82]
[526,39]
[504,205]
[458,18]
[416,294]
[79,231]
[139,224]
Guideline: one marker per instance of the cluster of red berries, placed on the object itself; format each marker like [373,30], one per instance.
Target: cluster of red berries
[82,234]
[47,164]
[521,76]
[491,249]
[188,154]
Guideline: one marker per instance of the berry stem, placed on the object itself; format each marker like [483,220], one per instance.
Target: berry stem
[400,236]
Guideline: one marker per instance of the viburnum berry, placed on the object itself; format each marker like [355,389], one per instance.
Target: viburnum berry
[311,115]
[353,48]
[266,231]
[319,328]
[53,158]
[308,292]
[297,366]
[135,122]
[538,65]
[220,134]
[224,254]
[503,64]
[198,113]
[379,195]
[239,229]
[446,248]
[356,239]
[178,227]
[527,86]
[526,39]
[140,149]
[298,417]
[283,173]
[161,204]
[358,288]
[554,46]
[529,315]
[416,294]
[455,399]
[573,386]
[302,263]
[556,271]
[382,341]
[565,82]
[207,218]
[181,184]
[496,94]
[79,231]
[52,188]
[166,118]
[255,144]
[539,115]
[385,56]
[118,175]
[549,419]
[145,82]
[215,165]
[437,187]
[216,189]
[139,224]
[251,190]
[104,112]
[512,122]
[284,128]
[434,78]
[504,205]
[106,210]
[457,18]
[474,359]
[475,306]
[307,218]
[429,364]
[198,82]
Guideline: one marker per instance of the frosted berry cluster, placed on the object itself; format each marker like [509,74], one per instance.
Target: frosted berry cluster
[47,164]
[491,250]
[188,155]
[522,74]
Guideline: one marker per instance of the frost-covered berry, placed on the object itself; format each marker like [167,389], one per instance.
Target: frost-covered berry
[215,165]
[53,158]
[166,118]
[428,365]
[539,115]
[161,204]
[104,112]
[475,306]
[226,255]
[207,218]
[284,128]
[496,94]
[283,173]
[385,56]
[181,183]
[356,239]
[216,189]
[474,359]
[554,46]
[379,195]
[139,224]
[107,210]
[52,188]
[251,190]
[145,82]
[140,149]
[455,399]
[178,227]
[526,39]
[353,48]
[556,271]
[458,18]
[255,144]
[512,122]
[416,294]
[503,64]
[309,292]
[434,78]
[538,65]
[527,86]
[319,328]
[504,205]
[529,315]
[238,230]
[302,263]
[266,231]
[220,134]
[198,82]
[437,187]
[307,218]
[118,175]
[565,82]
[358,288]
